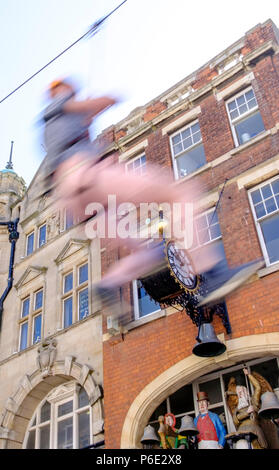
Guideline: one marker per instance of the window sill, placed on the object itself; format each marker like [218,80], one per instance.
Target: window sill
[252,141]
[147,319]
[197,172]
[268,270]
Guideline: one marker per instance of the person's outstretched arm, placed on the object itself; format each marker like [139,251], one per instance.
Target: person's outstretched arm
[90,107]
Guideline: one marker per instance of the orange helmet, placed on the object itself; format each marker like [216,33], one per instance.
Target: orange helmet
[60,81]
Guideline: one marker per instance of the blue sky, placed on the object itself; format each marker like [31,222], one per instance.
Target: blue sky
[143,49]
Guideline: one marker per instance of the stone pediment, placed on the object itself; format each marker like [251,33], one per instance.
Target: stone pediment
[31,273]
[71,247]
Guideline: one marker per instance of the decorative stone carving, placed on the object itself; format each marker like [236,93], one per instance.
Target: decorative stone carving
[46,356]
[53,225]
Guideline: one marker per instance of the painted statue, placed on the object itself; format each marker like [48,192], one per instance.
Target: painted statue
[211,429]
[244,409]
[169,435]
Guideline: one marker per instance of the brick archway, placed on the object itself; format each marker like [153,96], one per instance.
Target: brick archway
[186,371]
[32,390]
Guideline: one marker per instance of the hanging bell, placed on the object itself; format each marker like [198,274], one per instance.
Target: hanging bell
[149,436]
[188,427]
[208,344]
[270,406]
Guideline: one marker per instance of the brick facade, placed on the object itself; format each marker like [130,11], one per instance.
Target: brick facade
[133,360]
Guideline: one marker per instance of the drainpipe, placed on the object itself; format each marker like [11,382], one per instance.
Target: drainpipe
[13,237]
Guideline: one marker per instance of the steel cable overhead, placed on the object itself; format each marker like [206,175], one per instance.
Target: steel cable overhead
[91,32]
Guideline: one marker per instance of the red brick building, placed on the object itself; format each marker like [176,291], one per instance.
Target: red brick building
[221,123]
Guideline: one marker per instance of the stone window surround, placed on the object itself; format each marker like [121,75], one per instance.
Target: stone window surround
[31,294]
[134,158]
[270,267]
[241,118]
[74,292]
[55,402]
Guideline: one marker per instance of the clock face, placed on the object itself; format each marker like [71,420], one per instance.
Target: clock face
[181,266]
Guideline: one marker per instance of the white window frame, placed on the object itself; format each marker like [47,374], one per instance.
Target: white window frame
[22,303]
[243,116]
[30,318]
[208,211]
[74,293]
[132,160]
[54,419]
[26,246]
[69,296]
[174,157]
[136,303]
[258,221]
[39,229]
[20,334]
[33,328]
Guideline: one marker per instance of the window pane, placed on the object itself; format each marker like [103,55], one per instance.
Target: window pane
[65,408]
[182,401]
[83,273]
[176,139]
[270,205]
[83,303]
[190,161]
[269,370]
[195,128]
[44,437]
[249,95]
[45,412]
[275,186]
[161,410]
[215,231]
[185,133]
[256,196]
[39,300]
[82,398]
[69,219]
[84,429]
[260,210]
[203,236]
[201,222]
[177,149]
[65,434]
[146,304]
[31,440]
[234,114]
[232,105]
[68,282]
[37,329]
[240,100]
[187,143]
[213,389]
[266,191]
[23,336]
[42,235]
[196,137]
[252,104]
[25,307]
[249,128]
[30,244]
[68,312]
[243,109]
[270,230]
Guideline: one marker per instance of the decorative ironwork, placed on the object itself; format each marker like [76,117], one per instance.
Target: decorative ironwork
[164,288]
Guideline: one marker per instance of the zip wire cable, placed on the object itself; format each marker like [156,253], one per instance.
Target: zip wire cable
[91,32]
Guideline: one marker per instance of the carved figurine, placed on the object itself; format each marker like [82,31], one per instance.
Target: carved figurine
[211,430]
[46,356]
[244,409]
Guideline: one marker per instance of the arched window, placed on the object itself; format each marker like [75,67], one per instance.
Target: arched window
[63,420]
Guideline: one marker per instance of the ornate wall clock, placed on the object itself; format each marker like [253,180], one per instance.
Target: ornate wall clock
[181,267]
